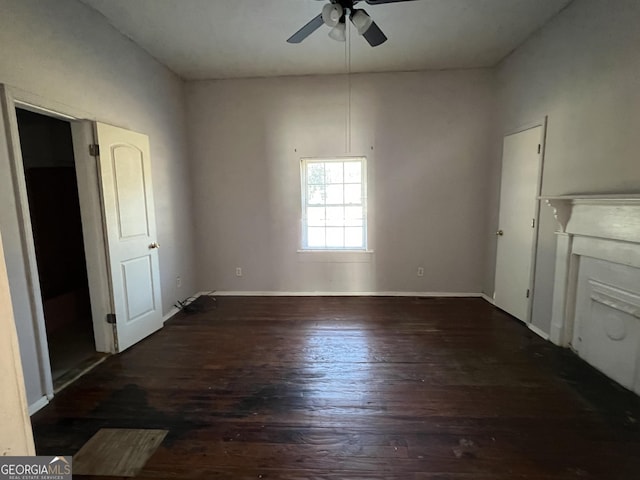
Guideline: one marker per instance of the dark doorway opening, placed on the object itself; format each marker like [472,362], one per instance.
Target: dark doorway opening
[54,208]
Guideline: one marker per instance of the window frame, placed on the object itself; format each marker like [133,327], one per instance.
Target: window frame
[304,164]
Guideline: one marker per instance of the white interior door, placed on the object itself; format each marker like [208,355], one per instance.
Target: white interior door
[132,248]
[518,217]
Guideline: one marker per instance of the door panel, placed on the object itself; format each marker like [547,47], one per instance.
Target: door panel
[125,177]
[131,194]
[518,209]
[137,275]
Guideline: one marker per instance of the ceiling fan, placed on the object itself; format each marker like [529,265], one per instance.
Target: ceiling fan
[334,15]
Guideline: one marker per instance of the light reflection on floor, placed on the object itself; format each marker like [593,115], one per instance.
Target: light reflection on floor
[339,369]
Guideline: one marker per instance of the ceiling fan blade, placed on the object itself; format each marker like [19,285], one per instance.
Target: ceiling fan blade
[307,30]
[374,35]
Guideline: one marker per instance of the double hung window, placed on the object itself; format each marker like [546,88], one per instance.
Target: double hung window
[334,215]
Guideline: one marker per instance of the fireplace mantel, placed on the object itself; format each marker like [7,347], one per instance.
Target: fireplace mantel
[606,216]
[596,297]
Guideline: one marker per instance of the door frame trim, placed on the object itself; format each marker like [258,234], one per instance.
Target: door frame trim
[10,99]
[536,233]
[534,248]
[26,239]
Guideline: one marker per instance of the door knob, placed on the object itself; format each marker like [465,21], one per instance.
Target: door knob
[499,233]
[154,245]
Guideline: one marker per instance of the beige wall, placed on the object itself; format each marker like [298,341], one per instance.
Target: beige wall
[64,54]
[581,70]
[427,136]
[16,437]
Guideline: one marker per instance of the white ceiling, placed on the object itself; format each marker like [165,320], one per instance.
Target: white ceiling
[201,39]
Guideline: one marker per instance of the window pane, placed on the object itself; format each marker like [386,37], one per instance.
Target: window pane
[335,194]
[315,237]
[333,172]
[335,216]
[353,216]
[335,237]
[353,172]
[334,203]
[315,216]
[353,194]
[316,195]
[315,173]
[353,237]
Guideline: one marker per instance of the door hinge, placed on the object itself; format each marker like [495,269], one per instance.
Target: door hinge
[116,344]
[111,320]
[533,223]
[539,148]
[94,150]
[528,293]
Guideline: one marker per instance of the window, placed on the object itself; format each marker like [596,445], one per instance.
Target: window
[334,204]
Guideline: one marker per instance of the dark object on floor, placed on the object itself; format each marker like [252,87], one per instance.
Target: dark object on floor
[196,304]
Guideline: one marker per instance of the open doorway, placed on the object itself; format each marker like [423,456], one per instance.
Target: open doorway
[54,209]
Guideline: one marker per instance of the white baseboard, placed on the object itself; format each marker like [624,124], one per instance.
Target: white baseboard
[486,297]
[231,293]
[538,331]
[199,294]
[38,405]
[170,314]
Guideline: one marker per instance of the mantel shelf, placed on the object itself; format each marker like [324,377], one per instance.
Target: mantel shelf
[623,207]
[596,197]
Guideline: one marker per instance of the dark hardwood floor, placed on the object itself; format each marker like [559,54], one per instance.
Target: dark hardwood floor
[354,388]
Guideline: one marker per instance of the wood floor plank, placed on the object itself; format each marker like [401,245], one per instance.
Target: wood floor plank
[354,388]
[117,452]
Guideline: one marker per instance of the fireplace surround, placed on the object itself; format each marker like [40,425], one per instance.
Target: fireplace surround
[596,297]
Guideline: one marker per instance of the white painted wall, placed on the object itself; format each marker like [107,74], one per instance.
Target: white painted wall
[582,71]
[64,54]
[16,437]
[428,138]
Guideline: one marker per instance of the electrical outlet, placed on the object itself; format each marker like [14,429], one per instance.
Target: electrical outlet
[421,271]
[238,271]
[178,281]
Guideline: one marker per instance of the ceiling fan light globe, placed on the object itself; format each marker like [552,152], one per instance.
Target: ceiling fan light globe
[331,14]
[362,21]
[339,32]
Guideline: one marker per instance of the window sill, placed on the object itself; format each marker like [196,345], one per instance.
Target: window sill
[335,256]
